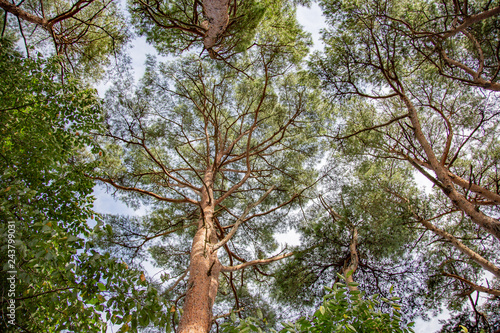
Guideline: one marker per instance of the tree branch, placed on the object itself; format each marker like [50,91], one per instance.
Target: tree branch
[473,285]
[138,190]
[370,128]
[240,220]
[255,262]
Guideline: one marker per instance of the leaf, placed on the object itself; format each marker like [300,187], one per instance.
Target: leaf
[350,328]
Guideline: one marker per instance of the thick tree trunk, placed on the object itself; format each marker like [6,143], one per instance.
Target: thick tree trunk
[218,18]
[204,269]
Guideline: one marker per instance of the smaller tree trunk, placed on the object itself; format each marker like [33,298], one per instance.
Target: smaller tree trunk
[353,264]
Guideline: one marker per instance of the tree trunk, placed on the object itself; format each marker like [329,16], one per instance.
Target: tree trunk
[204,268]
[218,18]
[486,222]
[353,264]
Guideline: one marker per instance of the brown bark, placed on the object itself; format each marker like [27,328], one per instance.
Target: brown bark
[476,75]
[42,21]
[354,261]
[217,14]
[473,285]
[15,10]
[471,20]
[487,265]
[481,261]
[204,268]
[474,188]
[488,223]
[457,180]
[255,262]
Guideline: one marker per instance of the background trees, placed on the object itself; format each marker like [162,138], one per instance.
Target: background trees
[354,228]
[85,34]
[384,61]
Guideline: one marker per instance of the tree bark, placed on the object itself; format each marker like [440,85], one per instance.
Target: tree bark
[204,268]
[353,264]
[488,223]
[17,11]
[481,261]
[217,14]
[473,285]
[489,266]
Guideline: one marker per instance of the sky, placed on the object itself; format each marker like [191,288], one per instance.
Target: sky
[313,21]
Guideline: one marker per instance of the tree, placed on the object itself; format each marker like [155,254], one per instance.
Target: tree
[382,64]
[354,228]
[383,61]
[225,27]
[217,154]
[84,33]
[53,278]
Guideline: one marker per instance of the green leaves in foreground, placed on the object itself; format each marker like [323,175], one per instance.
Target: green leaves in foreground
[61,282]
[341,312]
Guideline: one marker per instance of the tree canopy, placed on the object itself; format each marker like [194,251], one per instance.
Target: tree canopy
[242,135]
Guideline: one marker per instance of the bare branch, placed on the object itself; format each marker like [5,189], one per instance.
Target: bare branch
[471,20]
[483,262]
[473,285]
[138,190]
[16,11]
[227,314]
[255,262]
[370,128]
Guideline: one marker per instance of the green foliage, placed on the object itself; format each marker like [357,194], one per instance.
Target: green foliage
[342,311]
[44,122]
[61,281]
[176,26]
[85,35]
